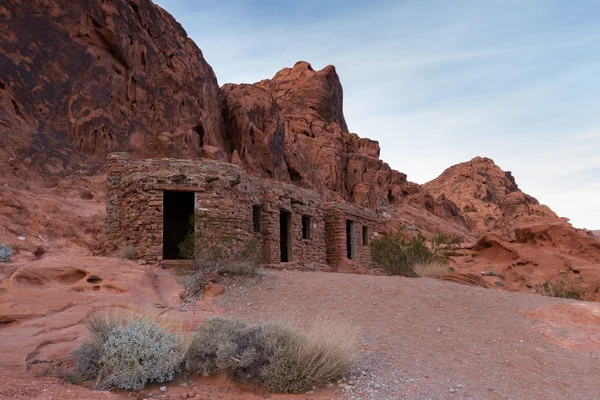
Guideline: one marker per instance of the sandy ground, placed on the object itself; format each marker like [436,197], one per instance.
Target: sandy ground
[428,339]
[418,338]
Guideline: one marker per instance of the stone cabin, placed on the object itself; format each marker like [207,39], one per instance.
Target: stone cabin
[151,205]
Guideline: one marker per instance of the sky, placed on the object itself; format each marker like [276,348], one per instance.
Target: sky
[438,82]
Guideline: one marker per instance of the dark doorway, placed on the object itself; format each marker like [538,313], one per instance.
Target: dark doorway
[178,221]
[350,241]
[285,231]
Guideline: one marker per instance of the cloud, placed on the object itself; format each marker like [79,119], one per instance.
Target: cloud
[438,82]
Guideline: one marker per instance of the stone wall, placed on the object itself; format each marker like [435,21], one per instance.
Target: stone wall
[223,192]
[336,217]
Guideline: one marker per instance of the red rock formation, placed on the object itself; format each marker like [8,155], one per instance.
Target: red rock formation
[487,196]
[519,238]
[86,77]
[292,128]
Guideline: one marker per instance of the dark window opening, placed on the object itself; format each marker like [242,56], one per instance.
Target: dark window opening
[350,242]
[305,227]
[256,212]
[285,230]
[365,234]
[178,221]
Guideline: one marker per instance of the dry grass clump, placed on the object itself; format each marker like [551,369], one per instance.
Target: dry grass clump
[274,354]
[128,349]
[128,252]
[431,269]
[298,361]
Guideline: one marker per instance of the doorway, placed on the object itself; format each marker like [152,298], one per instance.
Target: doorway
[350,240]
[285,231]
[178,221]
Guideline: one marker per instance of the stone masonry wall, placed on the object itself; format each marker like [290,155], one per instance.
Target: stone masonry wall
[336,215]
[223,192]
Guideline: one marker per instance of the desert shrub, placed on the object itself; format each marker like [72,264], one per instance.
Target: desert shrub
[128,252]
[213,249]
[494,273]
[298,361]
[443,245]
[399,255]
[87,360]
[5,253]
[565,288]
[136,354]
[218,345]
[273,354]
[127,351]
[430,269]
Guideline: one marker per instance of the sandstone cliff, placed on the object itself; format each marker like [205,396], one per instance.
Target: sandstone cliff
[82,78]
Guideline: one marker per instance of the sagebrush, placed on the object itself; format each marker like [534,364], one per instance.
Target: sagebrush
[6,253]
[127,350]
[273,354]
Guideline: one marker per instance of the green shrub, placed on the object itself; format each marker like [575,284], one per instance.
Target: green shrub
[127,351]
[398,255]
[564,288]
[443,245]
[273,354]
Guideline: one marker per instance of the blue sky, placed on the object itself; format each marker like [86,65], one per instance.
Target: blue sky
[438,82]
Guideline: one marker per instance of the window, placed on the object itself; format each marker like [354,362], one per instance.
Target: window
[365,236]
[350,242]
[256,211]
[305,227]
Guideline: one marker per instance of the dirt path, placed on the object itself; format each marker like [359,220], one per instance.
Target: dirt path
[428,339]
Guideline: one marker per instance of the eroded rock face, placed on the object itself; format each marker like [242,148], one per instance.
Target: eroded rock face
[487,196]
[520,239]
[292,128]
[82,78]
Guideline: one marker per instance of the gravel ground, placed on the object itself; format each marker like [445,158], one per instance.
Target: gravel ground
[427,339]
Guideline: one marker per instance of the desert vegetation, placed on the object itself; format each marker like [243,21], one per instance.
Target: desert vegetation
[213,251]
[127,350]
[566,288]
[6,253]
[128,252]
[398,254]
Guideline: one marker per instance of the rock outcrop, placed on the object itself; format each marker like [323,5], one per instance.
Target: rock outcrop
[292,128]
[79,79]
[488,197]
[519,238]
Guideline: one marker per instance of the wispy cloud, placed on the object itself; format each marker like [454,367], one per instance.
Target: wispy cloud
[438,82]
